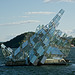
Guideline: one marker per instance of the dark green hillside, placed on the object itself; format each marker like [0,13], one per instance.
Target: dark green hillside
[15,42]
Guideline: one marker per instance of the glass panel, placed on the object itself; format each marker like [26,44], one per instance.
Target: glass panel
[56,51]
[61,11]
[24,44]
[37,45]
[26,59]
[49,49]
[40,50]
[59,42]
[52,31]
[43,59]
[31,40]
[33,36]
[16,51]
[43,31]
[9,49]
[50,24]
[46,41]
[31,54]
[20,55]
[33,59]
[65,42]
[57,24]
[59,33]
[58,18]
[38,31]
[55,18]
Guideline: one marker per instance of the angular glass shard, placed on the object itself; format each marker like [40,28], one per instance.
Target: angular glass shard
[58,18]
[9,49]
[64,35]
[43,31]
[50,24]
[52,31]
[3,46]
[20,55]
[59,33]
[57,24]
[55,18]
[56,51]
[58,43]
[65,43]
[31,54]
[36,62]
[61,12]
[49,49]
[32,37]
[24,44]
[26,59]
[46,41]
[36,39]
[33,59]
[16,51]
[31,41]
[43,59]
[39,32]
[37,45]
[40,50]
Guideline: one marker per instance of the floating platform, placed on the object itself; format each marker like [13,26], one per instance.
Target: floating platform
[47,62]
[55,62]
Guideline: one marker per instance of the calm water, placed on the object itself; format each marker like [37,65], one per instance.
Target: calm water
[38,70]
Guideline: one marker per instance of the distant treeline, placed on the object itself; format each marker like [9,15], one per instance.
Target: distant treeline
[18,40]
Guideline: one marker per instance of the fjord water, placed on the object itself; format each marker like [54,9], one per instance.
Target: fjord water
[39,70]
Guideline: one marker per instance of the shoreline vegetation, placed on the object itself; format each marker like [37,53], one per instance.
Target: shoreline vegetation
[18,40]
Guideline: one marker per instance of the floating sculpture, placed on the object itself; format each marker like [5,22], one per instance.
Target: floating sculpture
[47,42]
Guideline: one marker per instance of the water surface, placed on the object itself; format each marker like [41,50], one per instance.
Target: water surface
[37,70]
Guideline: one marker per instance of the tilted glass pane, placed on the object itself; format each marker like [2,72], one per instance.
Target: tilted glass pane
[43,31]
[24,44]
[57,24]
[46,41]
[31,41]
[33,59]
[40,50]
[26,59]
[65,42]
[49,49]
[58,18]
[61,11]
[39,32]
[16,51]
[43,59]
[55,18]
[59,33]
[56,51]
[31,54]
[20,55]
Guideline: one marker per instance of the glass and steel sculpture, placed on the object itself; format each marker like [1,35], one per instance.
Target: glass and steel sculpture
[47,42]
